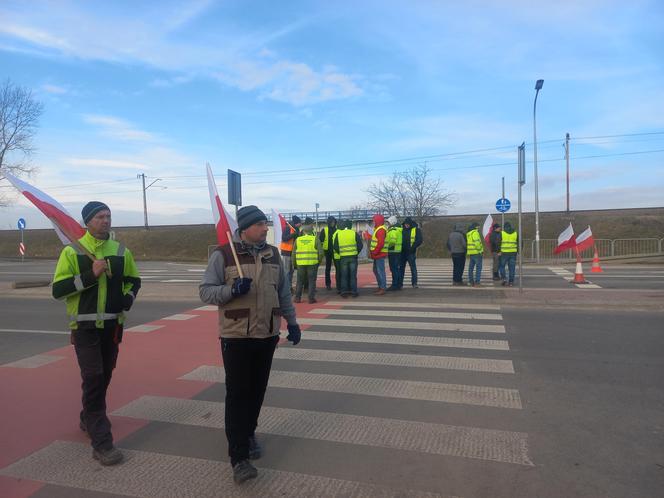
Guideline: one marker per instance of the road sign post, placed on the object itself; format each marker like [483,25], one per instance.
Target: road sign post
[522,181]
[21,246]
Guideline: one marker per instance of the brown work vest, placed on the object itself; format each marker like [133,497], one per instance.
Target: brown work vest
[256,314]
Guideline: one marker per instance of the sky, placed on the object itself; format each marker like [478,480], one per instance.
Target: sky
[314,101]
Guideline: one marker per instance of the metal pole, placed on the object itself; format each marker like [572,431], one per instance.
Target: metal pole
[22,255]
[502,214]
[521,181]
[538,87]
[567,162]
[145,202]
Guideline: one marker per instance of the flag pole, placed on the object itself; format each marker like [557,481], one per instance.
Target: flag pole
[237,261]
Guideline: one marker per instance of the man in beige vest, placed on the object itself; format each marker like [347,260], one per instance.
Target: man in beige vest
[250,312]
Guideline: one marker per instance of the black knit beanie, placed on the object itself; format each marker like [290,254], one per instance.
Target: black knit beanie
[91,209]
[296,219]
[248,215]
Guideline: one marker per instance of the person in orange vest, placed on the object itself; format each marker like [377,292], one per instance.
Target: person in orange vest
[288,237]
[378,252]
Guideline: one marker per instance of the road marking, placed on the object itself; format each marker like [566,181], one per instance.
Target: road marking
[177,281]
[179,317]
[588,286]
[385,388]
[410,314]
[385,324]
[410,304]
[438,439]
[27,331]
[156,475]
[144,328]
[208,308]
[408,340]
[396,360]
[35,361]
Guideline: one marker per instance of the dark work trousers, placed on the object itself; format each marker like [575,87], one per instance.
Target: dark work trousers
[97,354]
[409,258]
[348,275]
[247,364]
[329,261]
[394,259]
[306,277]
[459,263]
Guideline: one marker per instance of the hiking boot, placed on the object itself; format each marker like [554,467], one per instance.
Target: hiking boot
[243,471]
[415,286]
[511,284]
[81,425]
[354,295]
[255,448]
[345,296]
[312,300]
[380,292]
[504,283]
[297,300]
[477,284]
[111,456]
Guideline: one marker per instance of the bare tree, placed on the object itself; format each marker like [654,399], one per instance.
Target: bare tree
[411,193]
[19,118]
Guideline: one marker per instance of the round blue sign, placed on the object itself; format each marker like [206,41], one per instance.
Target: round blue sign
[503,205]
[21,224]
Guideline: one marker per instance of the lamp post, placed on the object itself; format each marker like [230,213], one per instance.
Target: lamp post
[538,87]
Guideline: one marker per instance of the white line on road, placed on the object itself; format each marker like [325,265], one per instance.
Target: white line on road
[386,324]
[411,304]
[410,314]
[397,360]
[439,439]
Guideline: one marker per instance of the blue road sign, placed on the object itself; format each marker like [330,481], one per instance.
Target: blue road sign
[503,205]
[21,224]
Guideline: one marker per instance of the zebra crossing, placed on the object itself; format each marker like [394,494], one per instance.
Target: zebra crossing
[430,355]
[438,275]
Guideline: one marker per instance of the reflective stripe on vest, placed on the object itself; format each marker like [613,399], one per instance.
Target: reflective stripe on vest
[508,242]
[374,239]
[288,245]
[474,242]
[91,317]
[395,238]
[305,250]
[347,245]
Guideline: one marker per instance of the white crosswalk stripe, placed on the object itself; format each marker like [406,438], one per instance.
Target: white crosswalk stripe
[411,304]
[409,314]
[391,324]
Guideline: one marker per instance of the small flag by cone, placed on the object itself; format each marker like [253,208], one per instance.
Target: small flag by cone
[578,273]
[596,268]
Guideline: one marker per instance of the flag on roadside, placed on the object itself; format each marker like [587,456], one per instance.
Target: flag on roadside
[278,226]
[487,228]
[566,240]
[68,229]
[224,223]
[585,240]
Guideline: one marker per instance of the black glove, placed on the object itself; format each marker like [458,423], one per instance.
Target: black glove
[294,334]
[127,301]
[241,286]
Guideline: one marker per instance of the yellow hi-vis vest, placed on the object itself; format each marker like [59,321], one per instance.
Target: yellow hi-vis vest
[394,239]
[327,241]
[508,242]
[306,253]
[374,240]
[347,245]
[474,242]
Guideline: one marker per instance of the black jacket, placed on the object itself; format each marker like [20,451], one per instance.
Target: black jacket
[406,234]
[494,241]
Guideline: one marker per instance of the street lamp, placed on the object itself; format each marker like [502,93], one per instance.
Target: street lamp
[538,87]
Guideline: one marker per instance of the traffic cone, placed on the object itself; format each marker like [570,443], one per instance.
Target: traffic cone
[596,268]
[578,274]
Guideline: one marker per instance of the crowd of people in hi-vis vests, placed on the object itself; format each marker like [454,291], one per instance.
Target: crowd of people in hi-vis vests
[303,250]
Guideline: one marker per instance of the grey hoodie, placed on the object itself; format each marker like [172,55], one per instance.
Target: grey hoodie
[456,242]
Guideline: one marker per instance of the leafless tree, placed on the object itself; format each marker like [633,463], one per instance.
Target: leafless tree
[19,118]
[411,193]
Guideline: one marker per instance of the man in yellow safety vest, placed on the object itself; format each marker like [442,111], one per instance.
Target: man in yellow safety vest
[307,255]
[475,251]
[509,247]
[347,245]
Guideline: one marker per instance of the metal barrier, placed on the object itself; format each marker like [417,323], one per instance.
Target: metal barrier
[605,248]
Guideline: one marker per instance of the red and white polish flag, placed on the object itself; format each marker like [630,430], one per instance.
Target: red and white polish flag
[225,223]
[566,240]
[68,229]
[585,240]
[487,228]
[278,226]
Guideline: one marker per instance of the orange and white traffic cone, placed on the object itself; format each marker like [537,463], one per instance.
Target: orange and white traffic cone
[578,273]
[596,268]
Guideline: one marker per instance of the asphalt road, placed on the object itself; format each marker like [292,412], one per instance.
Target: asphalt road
[570,401]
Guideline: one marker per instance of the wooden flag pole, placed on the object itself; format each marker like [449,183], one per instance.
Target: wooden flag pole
[237,261]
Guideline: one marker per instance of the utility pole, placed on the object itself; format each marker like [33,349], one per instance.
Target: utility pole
[567,162]
[145,202]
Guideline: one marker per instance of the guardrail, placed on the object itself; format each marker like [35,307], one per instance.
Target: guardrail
[605,248]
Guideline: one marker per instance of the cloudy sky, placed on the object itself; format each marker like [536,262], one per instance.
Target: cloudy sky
[314,101]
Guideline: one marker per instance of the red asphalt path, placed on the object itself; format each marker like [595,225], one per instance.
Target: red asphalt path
[41,405]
